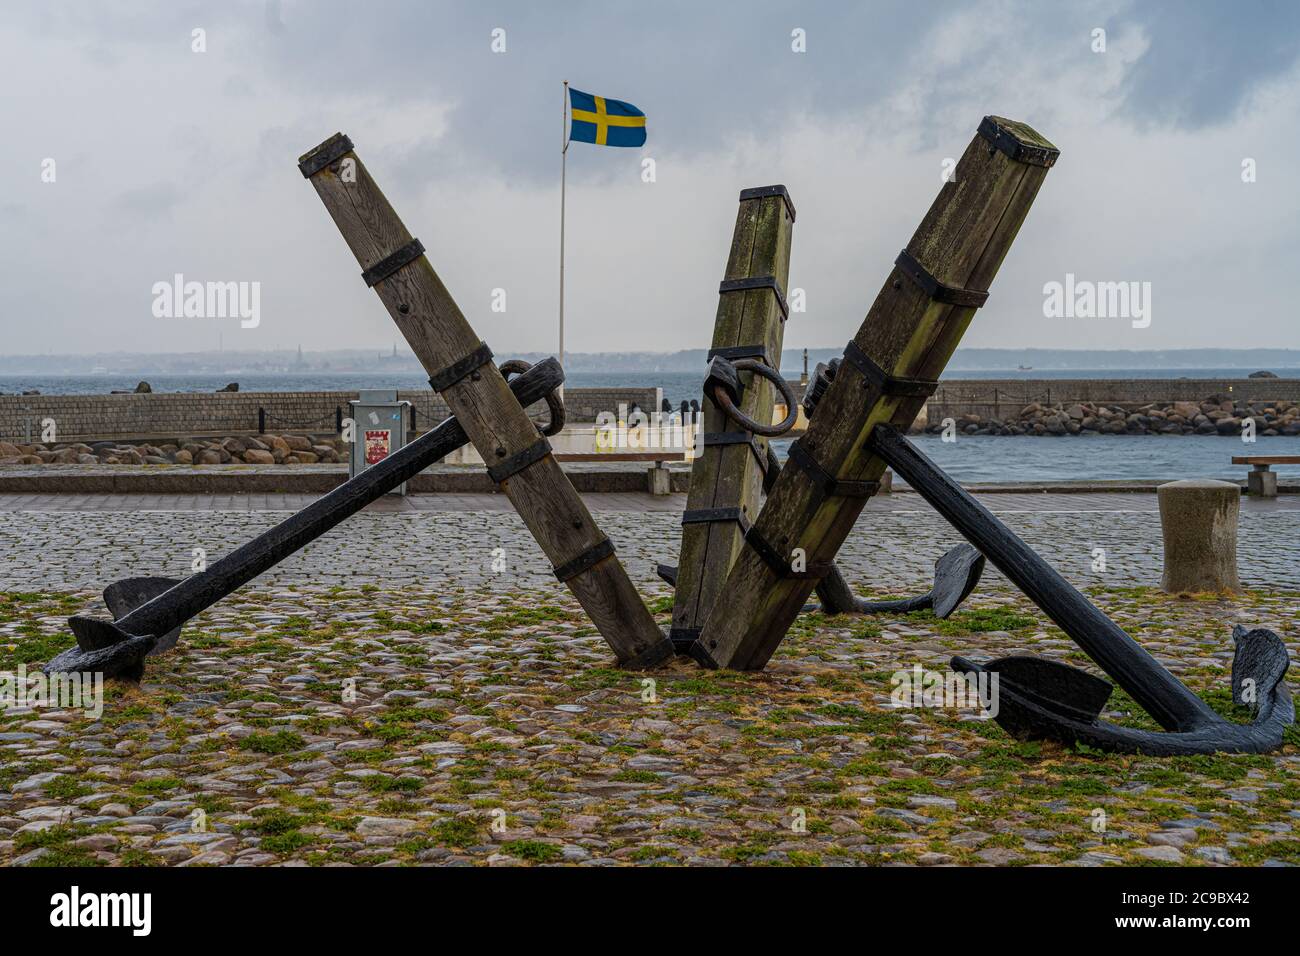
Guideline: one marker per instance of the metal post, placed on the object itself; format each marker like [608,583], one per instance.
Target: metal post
[564,157]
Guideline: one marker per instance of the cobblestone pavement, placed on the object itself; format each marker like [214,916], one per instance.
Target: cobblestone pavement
[893,546]
[404,726]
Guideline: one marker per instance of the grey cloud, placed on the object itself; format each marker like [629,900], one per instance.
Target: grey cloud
[147,204]
[1206,59]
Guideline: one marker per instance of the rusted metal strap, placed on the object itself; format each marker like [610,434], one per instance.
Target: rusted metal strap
[737,438]
[936,290]
[386,266]
[828,484]
[326,154]
[762,192]
[712,515]
[1004,140]
[598,552]
[875,376]
[742,351]
[772,558]
[444,378]
[519,461]
[757,282]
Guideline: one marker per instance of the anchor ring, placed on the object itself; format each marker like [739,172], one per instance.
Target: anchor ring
[553,403]
[724,402]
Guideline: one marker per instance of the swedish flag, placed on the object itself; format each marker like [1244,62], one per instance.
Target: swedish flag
[604,122]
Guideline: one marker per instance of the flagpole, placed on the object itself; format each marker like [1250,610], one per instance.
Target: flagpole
[564,155]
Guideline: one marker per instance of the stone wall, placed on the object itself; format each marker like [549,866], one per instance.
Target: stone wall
[176,414]
[999,398]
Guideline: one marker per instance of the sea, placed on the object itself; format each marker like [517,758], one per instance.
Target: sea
[971,458]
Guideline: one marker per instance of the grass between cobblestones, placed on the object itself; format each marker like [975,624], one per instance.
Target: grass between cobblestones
[374,727]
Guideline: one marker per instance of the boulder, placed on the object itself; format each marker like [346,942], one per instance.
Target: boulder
[298,442]
[258,456]
[143,387]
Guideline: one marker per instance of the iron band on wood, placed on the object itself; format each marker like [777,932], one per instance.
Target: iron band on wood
[598,552]
[386,266]
[762,192]
[711,515]
[936,290]
[519,461]
[1004,140]
[772,558]
[737,438]
[444,378]
[683,637]
[831,487]
[887,384]
[742,351]
[326,154]
[757,282]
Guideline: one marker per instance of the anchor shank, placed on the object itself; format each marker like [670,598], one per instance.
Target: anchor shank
[200,591]
[1163,696]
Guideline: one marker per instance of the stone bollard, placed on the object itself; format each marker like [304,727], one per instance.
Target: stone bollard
[1198,518]
[660,480]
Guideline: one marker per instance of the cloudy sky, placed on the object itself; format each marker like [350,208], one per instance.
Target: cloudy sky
[172,161]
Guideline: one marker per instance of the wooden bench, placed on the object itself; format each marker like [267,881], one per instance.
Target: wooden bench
[1260,481]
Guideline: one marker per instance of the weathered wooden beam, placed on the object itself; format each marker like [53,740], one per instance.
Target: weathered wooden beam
[904,343]
[460,368]
[727,477]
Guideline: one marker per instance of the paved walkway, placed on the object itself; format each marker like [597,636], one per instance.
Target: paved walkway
[84,541]
[901,502]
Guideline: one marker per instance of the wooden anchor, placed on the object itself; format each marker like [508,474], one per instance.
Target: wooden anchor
[955,573]
[889,369]
[727,474]
[148,612]
[459,367]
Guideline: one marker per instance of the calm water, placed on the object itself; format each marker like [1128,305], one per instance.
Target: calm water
[977,458]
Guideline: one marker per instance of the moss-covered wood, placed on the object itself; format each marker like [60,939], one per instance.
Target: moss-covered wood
[497,425]
[961,241]
[729,476]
